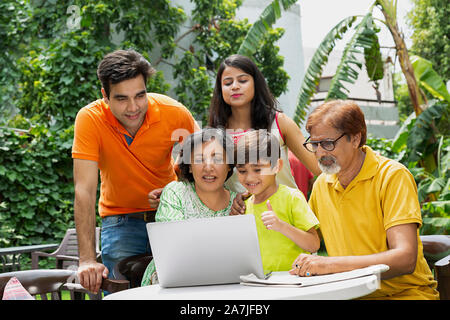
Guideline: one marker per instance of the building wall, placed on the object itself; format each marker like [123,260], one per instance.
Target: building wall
[381,117]
[291,47]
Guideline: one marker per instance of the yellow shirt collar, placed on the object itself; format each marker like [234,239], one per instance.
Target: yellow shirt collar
[368,170]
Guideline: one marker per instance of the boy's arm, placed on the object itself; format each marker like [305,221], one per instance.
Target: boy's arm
[307,240]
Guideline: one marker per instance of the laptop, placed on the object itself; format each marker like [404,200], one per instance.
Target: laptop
[205,251]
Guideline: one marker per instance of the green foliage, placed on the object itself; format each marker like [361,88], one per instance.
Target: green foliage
[53,73]
[58,80]
[364,41]
[50,53]
[347,70]
[217,36]
[36,188]
[271,64]
[372,56]
[267,18]
[434,192]
[430,20]
[401,95]
[413,137]
[410,147]
[429,79]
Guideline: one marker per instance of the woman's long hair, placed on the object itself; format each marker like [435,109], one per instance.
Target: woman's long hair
[264,105]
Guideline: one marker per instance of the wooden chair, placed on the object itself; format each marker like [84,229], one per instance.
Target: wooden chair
[67,252]
[442,274]
[435,247]
[43,281]
[132,269]
[38,282]
[436,250]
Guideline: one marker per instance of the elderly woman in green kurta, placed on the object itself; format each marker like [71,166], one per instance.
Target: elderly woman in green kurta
[200,191]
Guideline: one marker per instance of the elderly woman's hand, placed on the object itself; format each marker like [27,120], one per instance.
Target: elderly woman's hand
[238,206]
[153,198]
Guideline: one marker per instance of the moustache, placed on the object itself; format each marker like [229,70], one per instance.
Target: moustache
[327,158]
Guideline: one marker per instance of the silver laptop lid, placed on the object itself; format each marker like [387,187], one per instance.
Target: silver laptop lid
[205,251]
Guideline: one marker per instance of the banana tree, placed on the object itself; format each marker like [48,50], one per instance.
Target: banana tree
[418,73]
[364,41]
[389,10]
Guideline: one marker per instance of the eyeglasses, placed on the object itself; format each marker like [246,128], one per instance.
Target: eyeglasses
[328,144]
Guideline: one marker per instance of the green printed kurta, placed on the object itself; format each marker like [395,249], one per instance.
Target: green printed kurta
[179,201]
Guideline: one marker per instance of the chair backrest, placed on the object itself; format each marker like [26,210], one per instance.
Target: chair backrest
[442,273]
[435,247]
[38,282]
[69,245]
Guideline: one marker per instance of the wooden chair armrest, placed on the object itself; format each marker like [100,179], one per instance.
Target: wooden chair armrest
[110,285]
[443,266]
[63,257]
[42,254]
[114,285]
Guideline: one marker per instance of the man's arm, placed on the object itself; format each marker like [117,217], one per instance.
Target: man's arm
[401,256]
[90,272]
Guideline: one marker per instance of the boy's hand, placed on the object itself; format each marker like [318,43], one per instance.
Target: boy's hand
[270,219]
[238,206]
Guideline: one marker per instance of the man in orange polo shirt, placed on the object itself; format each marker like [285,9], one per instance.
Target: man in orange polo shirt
[128,135]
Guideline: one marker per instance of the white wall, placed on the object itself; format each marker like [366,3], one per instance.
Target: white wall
[362,88]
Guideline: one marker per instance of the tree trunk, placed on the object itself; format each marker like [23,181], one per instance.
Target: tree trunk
[389,11]
[405,63]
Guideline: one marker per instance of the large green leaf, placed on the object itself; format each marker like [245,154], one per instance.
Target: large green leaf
[423,130]
[429,79]
[400,139]
[315,68]
[441,223]
[348,69]
[267,18]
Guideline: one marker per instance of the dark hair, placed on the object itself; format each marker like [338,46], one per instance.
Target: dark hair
[122,65]
[257,145]
[264,105]
[197,139]
[343,115]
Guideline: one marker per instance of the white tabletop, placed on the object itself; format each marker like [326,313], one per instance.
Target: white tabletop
[340,290]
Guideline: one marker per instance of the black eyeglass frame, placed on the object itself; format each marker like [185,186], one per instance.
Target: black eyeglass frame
[333,143]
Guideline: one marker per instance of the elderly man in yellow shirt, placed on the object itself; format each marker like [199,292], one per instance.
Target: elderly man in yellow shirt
[367,206]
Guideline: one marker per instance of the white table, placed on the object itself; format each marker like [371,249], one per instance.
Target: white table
[340,290]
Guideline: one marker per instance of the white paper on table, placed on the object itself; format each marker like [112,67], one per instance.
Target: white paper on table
[284,279]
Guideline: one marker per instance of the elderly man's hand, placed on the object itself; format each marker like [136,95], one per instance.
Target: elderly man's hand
[311,265]
[91,274]
[238,206]
[153,198]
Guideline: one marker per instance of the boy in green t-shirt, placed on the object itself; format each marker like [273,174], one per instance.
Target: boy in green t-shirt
[285,224]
